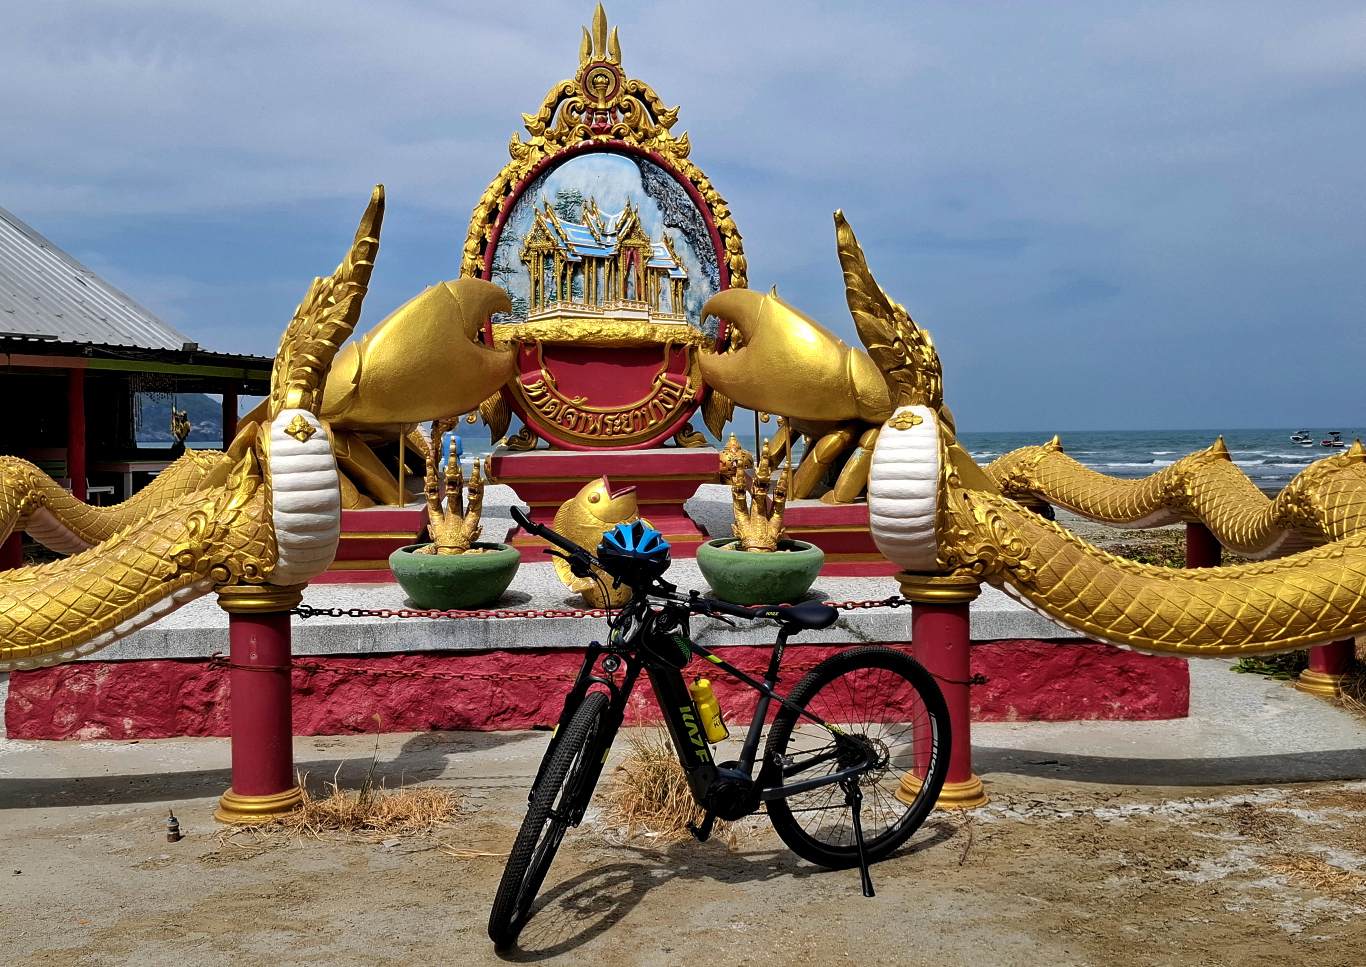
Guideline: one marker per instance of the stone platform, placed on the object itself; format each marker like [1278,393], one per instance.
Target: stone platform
[664,478]
[368,674]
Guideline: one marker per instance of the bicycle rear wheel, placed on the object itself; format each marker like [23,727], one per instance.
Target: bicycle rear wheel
[563,791]
[891,708]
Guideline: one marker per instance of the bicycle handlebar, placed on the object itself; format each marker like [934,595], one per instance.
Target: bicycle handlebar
[695,602]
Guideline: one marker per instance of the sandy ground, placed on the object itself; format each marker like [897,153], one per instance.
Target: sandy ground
[1053,871]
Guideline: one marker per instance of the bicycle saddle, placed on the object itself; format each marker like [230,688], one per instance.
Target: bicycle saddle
[809,615]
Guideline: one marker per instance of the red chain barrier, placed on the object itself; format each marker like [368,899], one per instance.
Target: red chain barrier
[308,611]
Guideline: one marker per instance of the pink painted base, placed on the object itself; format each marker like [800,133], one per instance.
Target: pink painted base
[160,698]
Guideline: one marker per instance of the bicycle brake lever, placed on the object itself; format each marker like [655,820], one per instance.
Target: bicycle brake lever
[577,567]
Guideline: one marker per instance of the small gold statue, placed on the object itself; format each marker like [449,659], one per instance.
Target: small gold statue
[583,518]
[454,525]
[758,502]
[735,459]
[180,425]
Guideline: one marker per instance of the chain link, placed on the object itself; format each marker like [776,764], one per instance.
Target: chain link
[308,611]
[495,614]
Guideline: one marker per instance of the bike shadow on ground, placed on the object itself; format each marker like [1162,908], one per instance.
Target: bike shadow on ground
[573,912]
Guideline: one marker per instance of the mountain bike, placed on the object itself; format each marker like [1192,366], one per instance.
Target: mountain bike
[852,764]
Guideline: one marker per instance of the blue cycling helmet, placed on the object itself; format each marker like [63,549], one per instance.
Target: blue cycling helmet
[636,539]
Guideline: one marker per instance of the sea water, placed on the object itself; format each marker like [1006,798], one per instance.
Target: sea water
[1267,456]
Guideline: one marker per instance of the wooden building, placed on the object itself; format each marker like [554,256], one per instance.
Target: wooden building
[75,351]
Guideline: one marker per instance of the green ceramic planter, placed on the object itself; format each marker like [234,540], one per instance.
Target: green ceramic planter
[458,581]
[740,577]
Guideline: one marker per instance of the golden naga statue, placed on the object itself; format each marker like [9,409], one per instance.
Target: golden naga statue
[377,388]
[265,511]
[1324,502]
[452,519]
[757,502]
[933,510]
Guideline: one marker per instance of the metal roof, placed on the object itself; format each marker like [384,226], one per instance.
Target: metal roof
[46,294]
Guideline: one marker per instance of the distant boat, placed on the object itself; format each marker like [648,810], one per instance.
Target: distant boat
[1302,437]
[1334,440]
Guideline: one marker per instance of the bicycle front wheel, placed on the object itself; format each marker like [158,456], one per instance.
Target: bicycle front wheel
[566,786]
[891,708]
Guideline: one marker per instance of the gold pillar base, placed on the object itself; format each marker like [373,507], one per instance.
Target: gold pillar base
[954,795]
[1322,684]
[244,810]
[939,588]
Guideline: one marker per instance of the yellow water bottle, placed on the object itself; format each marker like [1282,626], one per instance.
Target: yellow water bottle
[709,711]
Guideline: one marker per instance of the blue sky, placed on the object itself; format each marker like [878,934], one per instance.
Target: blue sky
[1109,215]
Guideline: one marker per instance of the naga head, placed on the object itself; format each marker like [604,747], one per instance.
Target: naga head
[787,363]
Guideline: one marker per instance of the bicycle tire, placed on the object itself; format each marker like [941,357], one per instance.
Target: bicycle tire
[544,826]
[846,678]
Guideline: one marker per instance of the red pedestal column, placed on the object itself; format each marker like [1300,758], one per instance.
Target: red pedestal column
[1328,665]
[1202,548]
[229,416]
[12,552]
[263,781]
[75,431]
[940,639]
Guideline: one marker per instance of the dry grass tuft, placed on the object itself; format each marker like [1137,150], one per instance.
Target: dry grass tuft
[1313,872]
[1353,697]
[370,814]
[649,793]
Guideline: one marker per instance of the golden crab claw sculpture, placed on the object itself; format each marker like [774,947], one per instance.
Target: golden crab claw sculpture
[265,512]
[933,510]
[783,361]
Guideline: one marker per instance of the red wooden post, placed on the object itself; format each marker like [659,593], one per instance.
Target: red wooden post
[229,416]
[1328,665]
[940,639]
[263,781]
[12,552]
[75,431]
[1202,548]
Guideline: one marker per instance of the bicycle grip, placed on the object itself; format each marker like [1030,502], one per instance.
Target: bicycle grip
[559,540]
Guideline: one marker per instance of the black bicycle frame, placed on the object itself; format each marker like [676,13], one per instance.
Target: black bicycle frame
[684,724]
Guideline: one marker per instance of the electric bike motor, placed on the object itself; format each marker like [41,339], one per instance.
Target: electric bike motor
[732,794]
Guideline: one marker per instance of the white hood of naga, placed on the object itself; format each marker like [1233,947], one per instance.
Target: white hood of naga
[903,489]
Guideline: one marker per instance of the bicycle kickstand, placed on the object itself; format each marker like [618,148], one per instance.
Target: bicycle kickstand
[702,833]
[853,796]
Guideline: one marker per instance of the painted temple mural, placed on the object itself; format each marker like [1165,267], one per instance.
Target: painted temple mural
[606,234]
